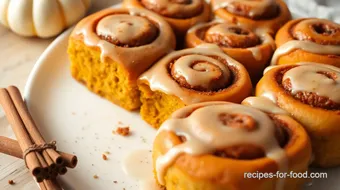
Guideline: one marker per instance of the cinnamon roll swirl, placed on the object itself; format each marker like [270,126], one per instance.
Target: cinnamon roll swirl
[308,40]
[180,14]
[214,145]
[189,76]
[268,14]
[101,48]
[252,48]
[310,93]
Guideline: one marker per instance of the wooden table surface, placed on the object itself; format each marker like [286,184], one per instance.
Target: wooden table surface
[17,57]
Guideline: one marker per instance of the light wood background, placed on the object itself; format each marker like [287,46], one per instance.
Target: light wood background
[17,57]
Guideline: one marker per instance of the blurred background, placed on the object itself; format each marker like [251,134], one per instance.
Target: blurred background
[329,9]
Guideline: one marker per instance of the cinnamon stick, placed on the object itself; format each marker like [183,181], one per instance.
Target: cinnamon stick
[51,165]
[44,165]
[51,185]
[39,179]
[20,132]
[11,147]
[42,186]
[54,174]
[30,124]
[71,160]
[62,170]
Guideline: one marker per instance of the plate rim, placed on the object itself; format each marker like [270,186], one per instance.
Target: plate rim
[40,61]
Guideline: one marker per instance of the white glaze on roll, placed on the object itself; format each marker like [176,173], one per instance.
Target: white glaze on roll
[123,27]
[173,8]
[159,80]
[309,78]
[222,28]
[202,73]
[307,46]
[143,56]
[264,104]
[269,68]
[264,34]
[305,77]
[257,7]
[257,54]
[205,133]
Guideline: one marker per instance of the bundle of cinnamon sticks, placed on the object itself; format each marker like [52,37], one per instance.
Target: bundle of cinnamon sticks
[42,159]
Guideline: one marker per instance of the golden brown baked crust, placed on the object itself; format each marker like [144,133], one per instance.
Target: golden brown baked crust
[180,14]
[223,170]
[101,48]
[189,76]
[144,55]
[270,15]
[199,74]
[308,40]
[252,48]
[310,100]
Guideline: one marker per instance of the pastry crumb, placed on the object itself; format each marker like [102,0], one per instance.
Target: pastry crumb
[120,123]
[115,182]
[11,182]
[95,177]
[143,139]
[106,152]
[104,157]
[123,131]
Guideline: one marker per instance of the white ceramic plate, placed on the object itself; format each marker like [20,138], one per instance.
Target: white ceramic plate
[82,123]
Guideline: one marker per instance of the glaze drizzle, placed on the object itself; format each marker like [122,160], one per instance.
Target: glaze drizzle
[205,133]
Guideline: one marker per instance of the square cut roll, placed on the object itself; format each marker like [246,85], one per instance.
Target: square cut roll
[190,76]
[110,49]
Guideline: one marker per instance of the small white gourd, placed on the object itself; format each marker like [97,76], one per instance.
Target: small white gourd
[41,18]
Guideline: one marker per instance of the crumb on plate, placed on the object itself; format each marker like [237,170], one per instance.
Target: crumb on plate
[11,182]
[95,177]
[143,139]
[104,157]
[123,131]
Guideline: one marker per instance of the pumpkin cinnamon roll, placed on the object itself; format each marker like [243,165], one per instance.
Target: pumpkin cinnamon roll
[308,40]
[267,14]
[180,14]
[190,76]
[310,93]
[110,49]
[223,146]
[252,48]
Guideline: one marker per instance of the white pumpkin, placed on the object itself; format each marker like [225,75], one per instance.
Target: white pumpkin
[42,18]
